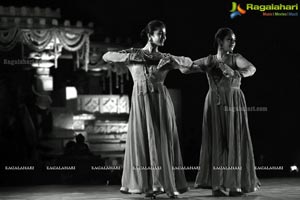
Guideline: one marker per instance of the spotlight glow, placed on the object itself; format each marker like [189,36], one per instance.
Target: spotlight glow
[294,168]
[71,93]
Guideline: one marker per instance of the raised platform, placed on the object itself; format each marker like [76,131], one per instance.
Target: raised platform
[272,189]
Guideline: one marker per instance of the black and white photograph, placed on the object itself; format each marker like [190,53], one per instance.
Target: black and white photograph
[154,99]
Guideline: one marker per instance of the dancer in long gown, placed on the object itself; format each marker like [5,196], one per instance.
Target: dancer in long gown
[226,158]
[152,161]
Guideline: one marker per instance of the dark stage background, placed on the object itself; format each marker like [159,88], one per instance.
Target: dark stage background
[270,43]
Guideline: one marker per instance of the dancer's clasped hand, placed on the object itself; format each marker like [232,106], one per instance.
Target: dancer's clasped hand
[227,71]
[165,60]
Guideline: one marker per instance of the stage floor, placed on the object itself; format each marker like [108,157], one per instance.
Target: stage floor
[272,188]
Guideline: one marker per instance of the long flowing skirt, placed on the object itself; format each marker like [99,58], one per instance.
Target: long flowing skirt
[152,161]
[226,156]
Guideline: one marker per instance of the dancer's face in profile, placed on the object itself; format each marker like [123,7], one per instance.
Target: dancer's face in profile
[229,42]
[158,37]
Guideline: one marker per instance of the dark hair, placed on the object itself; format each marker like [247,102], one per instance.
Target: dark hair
[221,34]
[151,27]
[80,138]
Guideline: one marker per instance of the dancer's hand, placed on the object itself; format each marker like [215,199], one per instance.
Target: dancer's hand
[136,57]
[227,71]
[163,61]
[155,56]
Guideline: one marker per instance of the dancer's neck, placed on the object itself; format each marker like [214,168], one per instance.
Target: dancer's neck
[221,53]
[151,48]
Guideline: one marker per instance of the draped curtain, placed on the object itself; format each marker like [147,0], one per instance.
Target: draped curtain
[39,39]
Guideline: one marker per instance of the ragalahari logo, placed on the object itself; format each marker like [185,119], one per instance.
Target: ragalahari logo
[236,10]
